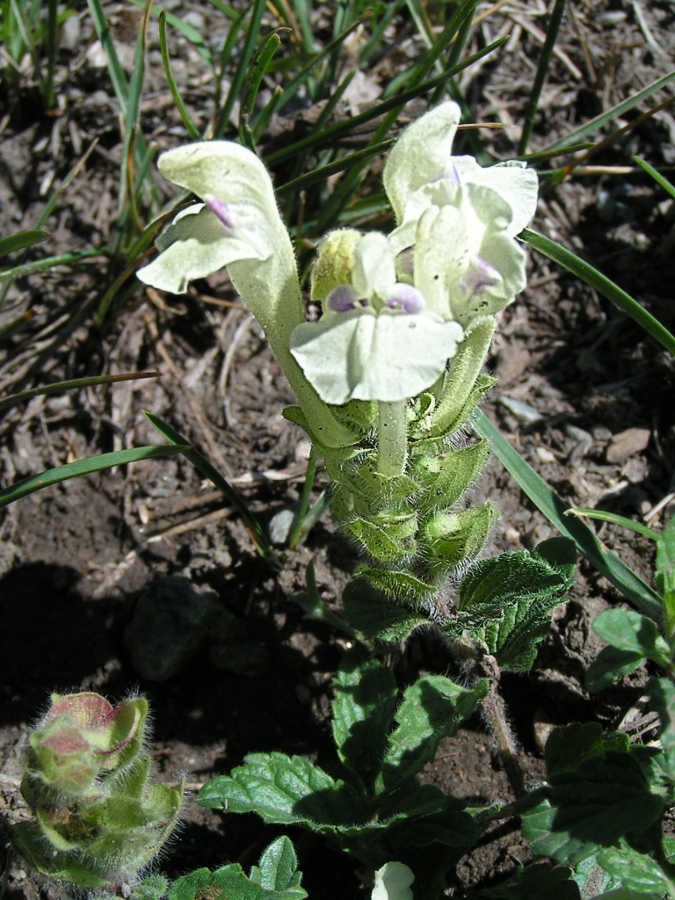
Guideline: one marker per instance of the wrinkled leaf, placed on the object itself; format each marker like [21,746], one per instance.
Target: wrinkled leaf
[284,790]
[432,708]
[365,698]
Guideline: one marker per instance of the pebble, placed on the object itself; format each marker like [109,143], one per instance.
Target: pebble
[525,413]
[280,526]
[194,18]
[545,455]
[601,433]
[171,621]
[626,443]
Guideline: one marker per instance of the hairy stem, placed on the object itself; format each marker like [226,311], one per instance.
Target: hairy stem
[392,438]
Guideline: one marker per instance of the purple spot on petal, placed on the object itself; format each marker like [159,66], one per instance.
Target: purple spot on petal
[479,276]
[341,299]
[405,262]
[451,172]
[406,298]
[220,210]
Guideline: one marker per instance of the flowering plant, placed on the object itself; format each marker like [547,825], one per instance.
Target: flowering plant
[387,377]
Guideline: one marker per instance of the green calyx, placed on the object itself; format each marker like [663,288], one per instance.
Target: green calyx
[99,818]
[405,512]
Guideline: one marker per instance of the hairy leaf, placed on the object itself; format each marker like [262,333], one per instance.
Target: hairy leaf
[372,613]
[505,604]
[591,806]
[278,867]
[534,882]
[432,708]
[284,790]
[363,708]
[567,747]
[635,871]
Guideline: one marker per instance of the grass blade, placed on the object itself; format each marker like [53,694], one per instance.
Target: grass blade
[117,76]
[21,240]
[340,165]
[603,285]
[190,126]
[340,129]
[615,112]
[74,384]
[540,77]
[657,176]
[603,516]
[637,591]
[245,57]
[202,465]
[49,262]
[83,467]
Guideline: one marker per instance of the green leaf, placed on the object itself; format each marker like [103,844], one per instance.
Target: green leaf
[421,814]
[363,708]
[285,790]
[635,871]
[432,708]
[614,113]
[658,178]
[549,503]
[534,882]
[505,604]
[83,467]
[229,883]
[278,868]
[664,576]
[20,241]
[568,747]
[591,806]
[629,631]
[662,693]
[372,613]
[610,665]
[602,284]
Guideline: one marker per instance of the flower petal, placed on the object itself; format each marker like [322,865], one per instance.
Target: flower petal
[363,356]
[441,255]
[513,181]
[506,261]
[420,155]
[193,246]
[374,266]
[392,882]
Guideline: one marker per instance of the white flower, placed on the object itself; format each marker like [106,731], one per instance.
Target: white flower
[452,200]
[392,882]
[380,337]
[390,327]
[238,226]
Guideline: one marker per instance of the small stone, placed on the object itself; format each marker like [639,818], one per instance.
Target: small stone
[626,443]
[601,433]
[280,526]
[171,621]
[194,18]
[545,455]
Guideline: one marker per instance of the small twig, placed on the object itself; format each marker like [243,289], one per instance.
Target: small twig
[192,525]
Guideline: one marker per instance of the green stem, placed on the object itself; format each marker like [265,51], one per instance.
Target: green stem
[392,438]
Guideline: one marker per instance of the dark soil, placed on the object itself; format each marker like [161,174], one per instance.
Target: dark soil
[77,557]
